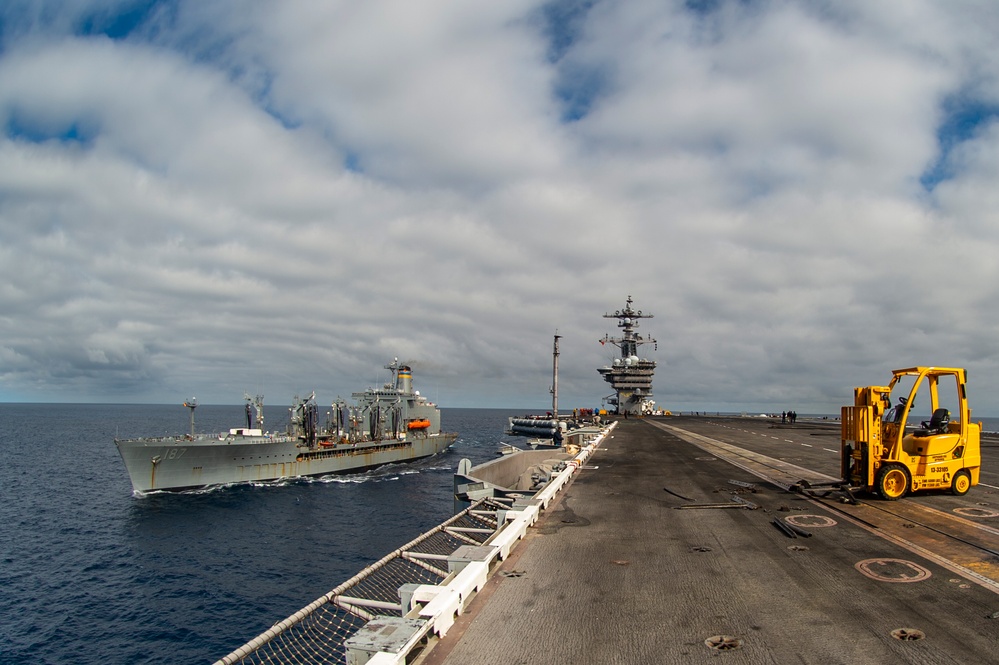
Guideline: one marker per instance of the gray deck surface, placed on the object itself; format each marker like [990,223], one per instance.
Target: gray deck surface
[616,573]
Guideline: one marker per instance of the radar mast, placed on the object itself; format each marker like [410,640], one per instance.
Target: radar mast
[630,376]
[554,390]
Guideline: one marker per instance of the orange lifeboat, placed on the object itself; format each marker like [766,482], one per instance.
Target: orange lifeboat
[419,424]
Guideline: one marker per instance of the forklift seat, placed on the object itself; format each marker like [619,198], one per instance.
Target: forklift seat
[937,425]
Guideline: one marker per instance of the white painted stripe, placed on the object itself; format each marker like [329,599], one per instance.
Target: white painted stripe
[966,573]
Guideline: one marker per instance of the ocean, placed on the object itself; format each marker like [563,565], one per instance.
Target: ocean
[91,574]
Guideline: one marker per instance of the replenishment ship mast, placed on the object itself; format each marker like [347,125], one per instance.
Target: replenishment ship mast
[630,376]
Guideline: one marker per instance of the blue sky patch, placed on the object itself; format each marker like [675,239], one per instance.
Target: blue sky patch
[120,24]
[114,20]
[563,21]
[352,162]
[964,118]
[577,86]
[20,127]
[577,89]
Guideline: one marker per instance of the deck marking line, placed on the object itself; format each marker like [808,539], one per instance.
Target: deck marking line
[713,446]
[945,515]
[702,441]
[966,573]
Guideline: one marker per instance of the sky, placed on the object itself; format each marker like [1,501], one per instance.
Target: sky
[211,198]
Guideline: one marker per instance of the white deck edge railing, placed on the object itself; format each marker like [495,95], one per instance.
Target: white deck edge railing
[439,605]
[434,608]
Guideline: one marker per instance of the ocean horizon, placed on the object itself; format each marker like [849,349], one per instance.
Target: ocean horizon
[92,574]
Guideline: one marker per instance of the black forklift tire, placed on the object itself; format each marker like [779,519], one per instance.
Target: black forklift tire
[961,483]
[893,481]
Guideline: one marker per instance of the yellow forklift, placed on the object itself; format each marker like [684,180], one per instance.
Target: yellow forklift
[881,453]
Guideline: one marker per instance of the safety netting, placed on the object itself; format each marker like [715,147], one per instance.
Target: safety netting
[316,633]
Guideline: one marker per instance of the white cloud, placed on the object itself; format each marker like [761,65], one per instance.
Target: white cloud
[293,194]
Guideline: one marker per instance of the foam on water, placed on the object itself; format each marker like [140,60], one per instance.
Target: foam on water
[91,574]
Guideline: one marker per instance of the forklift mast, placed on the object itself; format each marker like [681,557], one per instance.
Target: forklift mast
[861,433]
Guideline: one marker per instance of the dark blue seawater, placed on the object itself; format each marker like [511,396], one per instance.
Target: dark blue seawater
[91,574]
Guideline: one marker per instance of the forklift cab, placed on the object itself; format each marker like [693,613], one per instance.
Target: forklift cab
[938,435]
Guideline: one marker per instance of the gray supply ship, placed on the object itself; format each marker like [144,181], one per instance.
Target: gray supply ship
[630,376]
[383,426]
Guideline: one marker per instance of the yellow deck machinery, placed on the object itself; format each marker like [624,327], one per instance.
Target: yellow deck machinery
[881,452]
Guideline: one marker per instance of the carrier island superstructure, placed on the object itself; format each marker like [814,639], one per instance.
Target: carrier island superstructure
[630,376]
[384,425]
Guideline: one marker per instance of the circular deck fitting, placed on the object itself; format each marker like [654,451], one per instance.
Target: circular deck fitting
[976,512]
[723,643]
[892,570]
[908,634]
[813,521]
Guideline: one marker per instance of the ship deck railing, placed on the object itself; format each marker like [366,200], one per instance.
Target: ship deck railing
[395,607]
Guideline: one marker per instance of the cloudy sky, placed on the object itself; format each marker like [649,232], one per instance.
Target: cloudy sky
[206,198]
